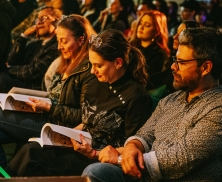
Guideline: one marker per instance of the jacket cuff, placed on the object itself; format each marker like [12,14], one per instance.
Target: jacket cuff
[52,109]
[145,146]
[152,165]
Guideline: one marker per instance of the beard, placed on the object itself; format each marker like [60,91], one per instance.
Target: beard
[188,83]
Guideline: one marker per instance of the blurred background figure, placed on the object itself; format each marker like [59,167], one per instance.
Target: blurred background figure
[24,8]
[144,6]
[90,9]
[7,13]
[184,25]
[188,9]
[215,14]
[201,16]
[173,19]
[115,16]
[151,38]
[65,6]
[161,6]
[131,11]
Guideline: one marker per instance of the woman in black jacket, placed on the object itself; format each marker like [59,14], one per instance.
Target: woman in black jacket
[68,85]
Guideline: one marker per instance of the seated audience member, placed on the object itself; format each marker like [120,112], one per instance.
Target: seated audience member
[161,6]
[175,39]
[131,12]
[91,9]
[173,17]
[188,9]
[113,17]
[182,140]
[27,64]
[151,37]
[201,16]
[67,7]
[144,6]
[68,86]
[7,13]
[115,106]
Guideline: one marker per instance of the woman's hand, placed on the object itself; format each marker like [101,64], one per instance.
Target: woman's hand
[39,105]
[83,147]
[79,127]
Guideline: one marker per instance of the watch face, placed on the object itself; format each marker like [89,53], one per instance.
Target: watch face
[119,160]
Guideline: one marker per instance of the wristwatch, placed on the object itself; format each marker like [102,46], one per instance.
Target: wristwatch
[119,160]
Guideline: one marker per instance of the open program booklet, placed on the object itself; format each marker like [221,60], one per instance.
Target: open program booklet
[16,99]
[56,135]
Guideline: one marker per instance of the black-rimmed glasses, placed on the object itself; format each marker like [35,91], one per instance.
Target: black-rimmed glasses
[179,61]
[41,19]
[95,40]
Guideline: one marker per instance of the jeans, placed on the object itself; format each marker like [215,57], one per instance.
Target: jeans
[19,127]
[105,172]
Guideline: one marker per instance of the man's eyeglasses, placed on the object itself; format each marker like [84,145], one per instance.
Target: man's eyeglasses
[41,19]
[177,61]
[95,40]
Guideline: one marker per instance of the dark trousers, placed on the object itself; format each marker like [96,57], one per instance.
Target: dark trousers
[32,160]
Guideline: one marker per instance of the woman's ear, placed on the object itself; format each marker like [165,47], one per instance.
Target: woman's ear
[118,63]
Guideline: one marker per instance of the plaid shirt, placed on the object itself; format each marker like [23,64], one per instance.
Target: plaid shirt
[29,63]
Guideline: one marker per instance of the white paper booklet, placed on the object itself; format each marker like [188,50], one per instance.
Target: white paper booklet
[15,99]
[56,135]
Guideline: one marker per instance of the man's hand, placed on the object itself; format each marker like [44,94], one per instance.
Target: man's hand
[30,31]
[109,155]
[132,159]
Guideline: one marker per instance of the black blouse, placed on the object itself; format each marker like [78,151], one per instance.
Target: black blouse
[113,112]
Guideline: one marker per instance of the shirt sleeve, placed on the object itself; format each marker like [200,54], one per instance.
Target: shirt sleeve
[38,66]
[192,148]
[195,144]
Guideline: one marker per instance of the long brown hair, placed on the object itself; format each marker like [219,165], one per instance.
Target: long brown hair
[160,24]
[80,27]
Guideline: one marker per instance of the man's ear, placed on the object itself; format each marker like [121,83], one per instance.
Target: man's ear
[206,67]
[118,63]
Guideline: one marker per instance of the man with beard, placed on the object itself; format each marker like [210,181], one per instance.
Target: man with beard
[27,63]
[182,140]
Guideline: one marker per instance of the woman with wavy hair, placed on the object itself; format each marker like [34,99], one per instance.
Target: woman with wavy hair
[151,38]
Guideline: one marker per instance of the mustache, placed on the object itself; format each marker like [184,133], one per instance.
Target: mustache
[175,74]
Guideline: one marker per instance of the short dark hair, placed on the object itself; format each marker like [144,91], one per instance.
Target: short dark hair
[206,43]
